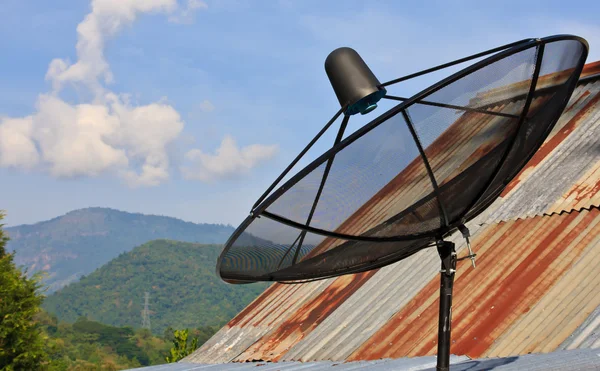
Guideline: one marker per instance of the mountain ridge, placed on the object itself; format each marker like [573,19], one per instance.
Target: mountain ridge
[110,209]
[80,241]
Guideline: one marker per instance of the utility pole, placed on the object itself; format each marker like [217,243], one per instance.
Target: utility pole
[146,312]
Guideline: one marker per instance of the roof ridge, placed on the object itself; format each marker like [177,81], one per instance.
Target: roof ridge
[576,210]
[542,215]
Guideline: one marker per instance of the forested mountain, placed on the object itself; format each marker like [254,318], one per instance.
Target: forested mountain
[180,277]
[77,243]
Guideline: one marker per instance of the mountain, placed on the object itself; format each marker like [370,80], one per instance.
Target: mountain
[77,243]
[180,278]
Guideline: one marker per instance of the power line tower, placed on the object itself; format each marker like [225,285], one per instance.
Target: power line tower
[146,312]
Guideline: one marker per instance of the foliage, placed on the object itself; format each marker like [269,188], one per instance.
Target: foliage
[180,277]
[90,345]
[79,242]
[180,348]
[184,293]
[21,342]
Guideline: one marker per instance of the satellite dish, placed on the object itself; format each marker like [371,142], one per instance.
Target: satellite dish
[413,175]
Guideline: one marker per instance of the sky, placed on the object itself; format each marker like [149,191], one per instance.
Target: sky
[191,108]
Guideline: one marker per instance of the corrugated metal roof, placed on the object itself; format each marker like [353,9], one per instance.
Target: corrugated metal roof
[262,330]
[368,309]
[581,359]
[561,175]
[587,335]
[530,272]
[532,291]
[266,312]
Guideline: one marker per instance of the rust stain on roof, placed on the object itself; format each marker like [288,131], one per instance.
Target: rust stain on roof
[267,295]
[583,191]
[274,345]
[564,307]
[518,263]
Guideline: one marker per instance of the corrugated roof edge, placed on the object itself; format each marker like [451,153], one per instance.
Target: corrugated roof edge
[558,213]
[587,208]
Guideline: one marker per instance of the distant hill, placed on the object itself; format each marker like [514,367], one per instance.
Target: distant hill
[180,277]
[77,243]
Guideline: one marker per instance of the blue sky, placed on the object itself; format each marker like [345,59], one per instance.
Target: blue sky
[191,108]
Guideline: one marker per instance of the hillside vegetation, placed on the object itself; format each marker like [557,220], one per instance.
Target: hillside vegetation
[180,277]
[81,241]
[90,345]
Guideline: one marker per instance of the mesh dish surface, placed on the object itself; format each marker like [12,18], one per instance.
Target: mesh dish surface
[413,174]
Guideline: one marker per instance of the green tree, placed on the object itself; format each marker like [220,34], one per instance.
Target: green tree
[89,345]
[180,346]
[21,340]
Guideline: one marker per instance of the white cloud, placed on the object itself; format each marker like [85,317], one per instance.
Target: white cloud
[73,139]
[88,139]
[106,19]
[17,149]
[107,133]
[155,170]
[228,161]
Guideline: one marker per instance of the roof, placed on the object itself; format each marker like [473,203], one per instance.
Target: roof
[584,359]
[534,289]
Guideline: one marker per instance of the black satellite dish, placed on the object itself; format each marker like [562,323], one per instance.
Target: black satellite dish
[413,175]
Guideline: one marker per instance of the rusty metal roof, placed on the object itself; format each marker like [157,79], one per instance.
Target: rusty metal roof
[527,294]
[534,289]
[562,175]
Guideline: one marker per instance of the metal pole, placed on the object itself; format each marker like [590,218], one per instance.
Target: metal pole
[448,257]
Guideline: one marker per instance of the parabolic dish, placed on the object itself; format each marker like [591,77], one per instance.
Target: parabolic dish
[412,175]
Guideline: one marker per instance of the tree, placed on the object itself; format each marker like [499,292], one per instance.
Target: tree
[180,346]
[21,339]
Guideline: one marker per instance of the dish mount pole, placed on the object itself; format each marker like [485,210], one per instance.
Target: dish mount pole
[448,257]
